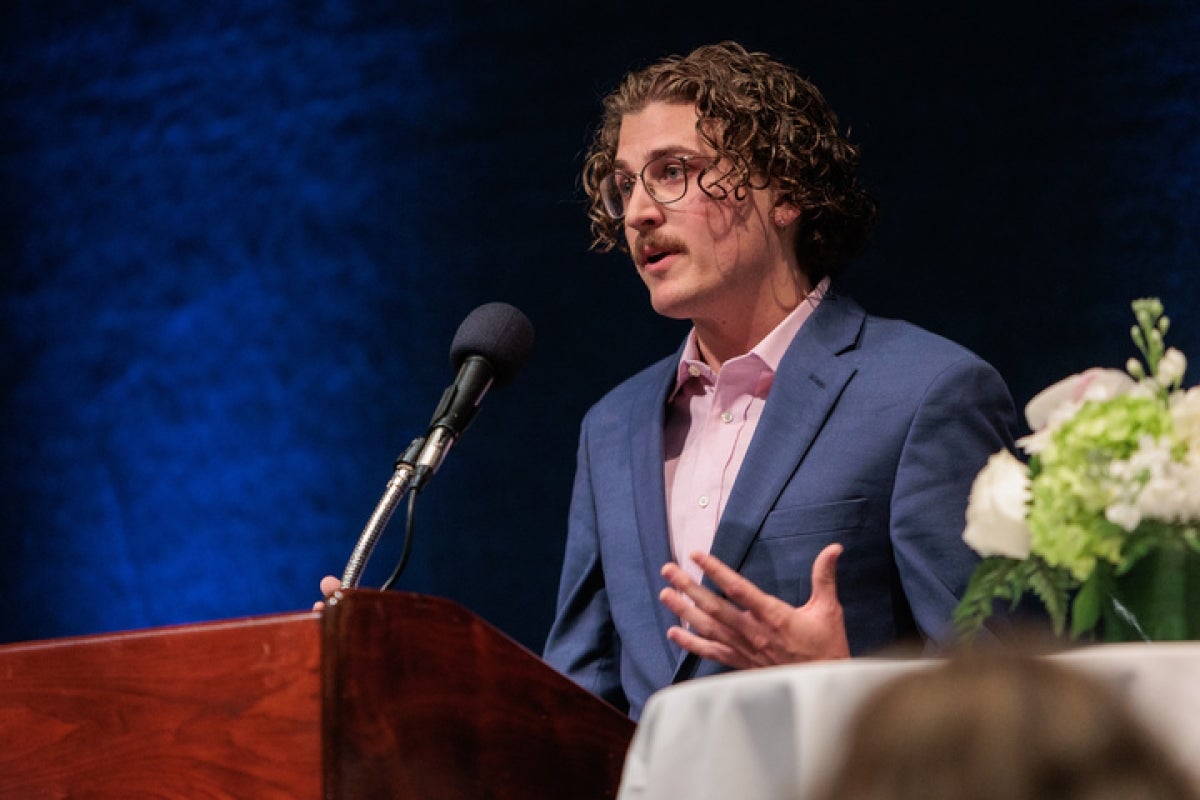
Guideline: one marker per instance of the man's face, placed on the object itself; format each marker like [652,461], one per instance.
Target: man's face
[705,259]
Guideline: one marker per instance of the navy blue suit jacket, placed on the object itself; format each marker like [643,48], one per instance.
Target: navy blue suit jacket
[871,436]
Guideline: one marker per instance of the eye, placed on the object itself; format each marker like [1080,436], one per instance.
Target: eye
[672,170]
[623,183]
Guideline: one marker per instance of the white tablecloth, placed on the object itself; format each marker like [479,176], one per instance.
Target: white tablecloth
[775,733]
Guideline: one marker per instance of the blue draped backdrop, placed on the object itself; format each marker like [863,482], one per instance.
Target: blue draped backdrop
[236,240]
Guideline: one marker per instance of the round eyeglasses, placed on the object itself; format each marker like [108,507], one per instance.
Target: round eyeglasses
[665,179]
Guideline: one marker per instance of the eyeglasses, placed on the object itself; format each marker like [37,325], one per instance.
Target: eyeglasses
[665,179]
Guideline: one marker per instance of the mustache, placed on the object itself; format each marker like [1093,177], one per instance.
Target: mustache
[654,241]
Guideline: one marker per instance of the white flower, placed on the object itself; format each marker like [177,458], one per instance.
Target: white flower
[1152,484]
[1123,514]
[996,510]
[1051,404]
[1056,404]
[1185,415]
[1171,368]
[1166,495]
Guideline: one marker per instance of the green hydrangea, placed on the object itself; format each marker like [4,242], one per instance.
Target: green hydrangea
[1072,486]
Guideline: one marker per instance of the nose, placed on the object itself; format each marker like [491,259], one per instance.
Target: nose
[641,210]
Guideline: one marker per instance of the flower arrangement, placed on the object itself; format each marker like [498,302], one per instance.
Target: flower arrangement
[1103,522]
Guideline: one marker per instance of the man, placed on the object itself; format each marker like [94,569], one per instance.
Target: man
[794,450]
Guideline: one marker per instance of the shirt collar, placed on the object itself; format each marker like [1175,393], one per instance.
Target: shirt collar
[769,351]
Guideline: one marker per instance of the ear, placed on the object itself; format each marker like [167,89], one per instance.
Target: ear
[784,214]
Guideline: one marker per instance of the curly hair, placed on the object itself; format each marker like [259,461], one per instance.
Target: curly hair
[771,125]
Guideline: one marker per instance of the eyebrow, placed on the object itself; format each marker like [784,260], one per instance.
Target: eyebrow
[659,152]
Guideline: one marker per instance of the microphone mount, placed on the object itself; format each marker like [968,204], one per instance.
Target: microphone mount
[397,487]
[490,347]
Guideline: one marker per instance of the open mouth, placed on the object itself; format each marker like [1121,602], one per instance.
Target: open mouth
[654,250]
[656,255]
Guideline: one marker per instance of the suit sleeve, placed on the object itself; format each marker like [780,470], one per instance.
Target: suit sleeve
[583,643]
[965,415]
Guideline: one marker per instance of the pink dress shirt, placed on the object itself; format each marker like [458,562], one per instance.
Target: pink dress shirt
[711,418]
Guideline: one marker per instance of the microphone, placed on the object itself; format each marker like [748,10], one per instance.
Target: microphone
[490,348]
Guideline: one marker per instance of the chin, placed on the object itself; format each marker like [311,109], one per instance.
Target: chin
[674,299]
[671,310]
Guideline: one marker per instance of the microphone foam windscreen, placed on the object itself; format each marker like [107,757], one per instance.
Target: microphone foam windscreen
[498,332]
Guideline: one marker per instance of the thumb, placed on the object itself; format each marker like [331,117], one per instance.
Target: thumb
[824,576]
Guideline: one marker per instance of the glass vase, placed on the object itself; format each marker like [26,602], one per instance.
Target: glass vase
[1157,600]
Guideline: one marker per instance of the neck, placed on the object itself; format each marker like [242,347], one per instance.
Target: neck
[721,339]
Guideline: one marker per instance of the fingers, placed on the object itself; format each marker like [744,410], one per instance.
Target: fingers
[824,576]
[744,594]
[704,603]
[708,648]
[748,627]
[716,628]
[737,588]
[329,585]
[682,590]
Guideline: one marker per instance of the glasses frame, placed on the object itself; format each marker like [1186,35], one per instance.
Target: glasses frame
[609,190]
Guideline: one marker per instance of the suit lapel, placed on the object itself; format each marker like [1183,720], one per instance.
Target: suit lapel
[807,385]
[649,495]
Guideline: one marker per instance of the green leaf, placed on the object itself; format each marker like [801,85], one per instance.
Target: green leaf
[999,578]
[1085,611]
[990,581]
[1053,587]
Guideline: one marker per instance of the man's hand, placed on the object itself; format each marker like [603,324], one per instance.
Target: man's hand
[329,585]
[750,628]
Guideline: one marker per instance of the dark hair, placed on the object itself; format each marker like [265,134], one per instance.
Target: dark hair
[771,125]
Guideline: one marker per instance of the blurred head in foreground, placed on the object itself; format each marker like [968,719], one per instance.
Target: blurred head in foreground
[1003,727]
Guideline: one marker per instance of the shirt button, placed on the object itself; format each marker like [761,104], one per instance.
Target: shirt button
[694,370]
[704,501]
[727,416]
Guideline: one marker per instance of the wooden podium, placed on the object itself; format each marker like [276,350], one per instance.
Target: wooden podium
[382,695]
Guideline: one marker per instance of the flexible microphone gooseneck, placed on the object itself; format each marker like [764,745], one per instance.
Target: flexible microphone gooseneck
[489,349]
